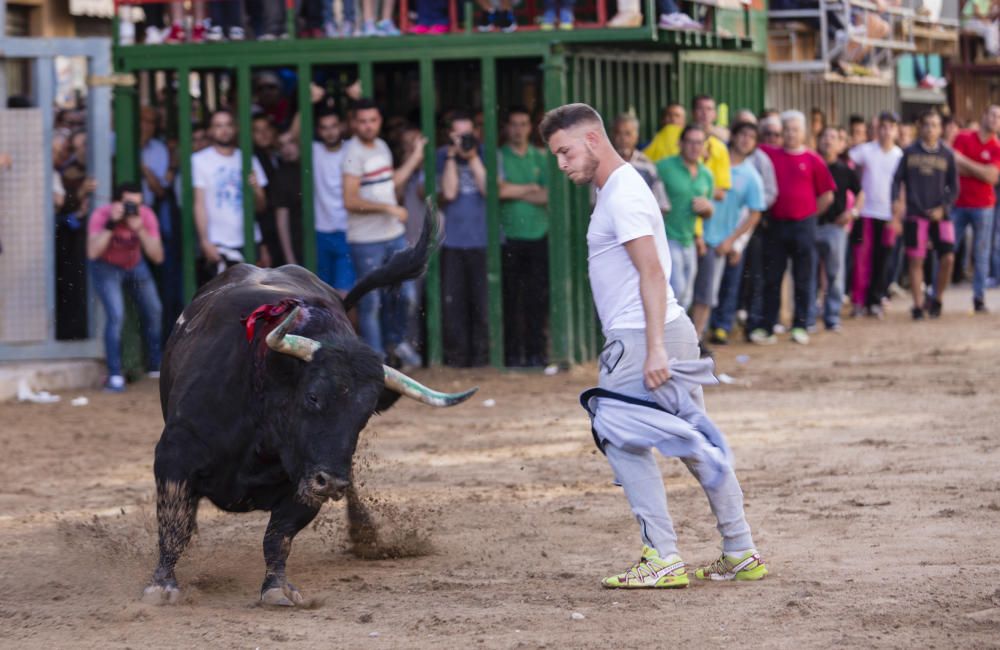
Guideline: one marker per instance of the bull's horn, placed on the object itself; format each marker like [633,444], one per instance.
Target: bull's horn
[280,340]
[400,383]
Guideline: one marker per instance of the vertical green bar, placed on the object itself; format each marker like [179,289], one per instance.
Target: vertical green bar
[189,238]
[488,75]
[243,100]
[127,141]
[290,20]
[306,164]
[367,76]
[560,267]
[432,288]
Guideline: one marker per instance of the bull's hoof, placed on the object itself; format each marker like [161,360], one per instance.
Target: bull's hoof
[284,596]
[161,595]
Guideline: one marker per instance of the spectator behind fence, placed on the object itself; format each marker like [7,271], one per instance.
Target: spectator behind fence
[71,237]
[978,155]
[673,113]
[333,255]
[715,156]
[375,232]
[265,151]
[982,18]
[119,235]
[525,221]
[689,188]
[217,177]
[874,233]
[723,231]
[226,20]
[832,229]
[385,25]
[410,193]
[925,187]
[805,189]
[625,139]
[288,199]
[463,253]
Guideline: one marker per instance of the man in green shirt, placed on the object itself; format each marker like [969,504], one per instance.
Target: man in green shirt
[689,187]
[525,222]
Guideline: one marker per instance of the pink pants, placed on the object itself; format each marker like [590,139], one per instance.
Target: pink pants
[872,240]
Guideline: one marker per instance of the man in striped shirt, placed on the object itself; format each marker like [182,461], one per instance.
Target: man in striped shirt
[375,231]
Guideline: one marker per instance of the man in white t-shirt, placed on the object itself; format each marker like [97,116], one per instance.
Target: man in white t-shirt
[629,266]
[217,175]
[333,255]
[376,231]
[874,234]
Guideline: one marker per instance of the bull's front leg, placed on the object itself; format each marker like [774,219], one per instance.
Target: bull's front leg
[287,519]
[176,516]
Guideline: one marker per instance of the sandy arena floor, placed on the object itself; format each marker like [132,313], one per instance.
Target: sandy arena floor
[870,462]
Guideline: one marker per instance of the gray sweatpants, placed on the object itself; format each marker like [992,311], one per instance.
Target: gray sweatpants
[636,470]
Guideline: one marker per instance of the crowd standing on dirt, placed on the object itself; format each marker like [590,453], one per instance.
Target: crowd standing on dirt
[861,212]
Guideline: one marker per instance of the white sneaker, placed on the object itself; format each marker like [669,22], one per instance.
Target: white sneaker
[800,336]
[236,34]
[153,374]
[154,36]
[760,336]
[215,34]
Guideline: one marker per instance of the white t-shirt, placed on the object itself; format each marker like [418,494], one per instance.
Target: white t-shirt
[625,210]
[373,165]
[328,189]
[221,179]
[877,170]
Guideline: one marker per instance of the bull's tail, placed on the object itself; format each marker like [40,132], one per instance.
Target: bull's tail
[407,264]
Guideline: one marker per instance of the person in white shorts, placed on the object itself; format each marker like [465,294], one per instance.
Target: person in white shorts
[650,339]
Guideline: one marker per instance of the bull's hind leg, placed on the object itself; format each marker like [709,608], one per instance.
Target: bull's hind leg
[287,519]
[176,514]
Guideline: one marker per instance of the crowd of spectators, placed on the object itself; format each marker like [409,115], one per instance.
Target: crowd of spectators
[265,20]
[861,211]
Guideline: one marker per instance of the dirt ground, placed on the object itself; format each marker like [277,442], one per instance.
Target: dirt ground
[870,463]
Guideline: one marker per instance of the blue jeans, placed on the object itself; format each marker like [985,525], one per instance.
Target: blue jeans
[432,12]
[729,297]
[995,256]
[981,220]
[383,314]
[109,280]
[333,260]
[683,266]
[831,244]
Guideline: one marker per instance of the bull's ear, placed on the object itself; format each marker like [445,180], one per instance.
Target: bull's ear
[280,340]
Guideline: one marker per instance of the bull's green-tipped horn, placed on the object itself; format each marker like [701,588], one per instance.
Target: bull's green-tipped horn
[280,340]
[400,383]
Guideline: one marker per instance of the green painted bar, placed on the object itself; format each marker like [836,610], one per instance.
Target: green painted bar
[366,74]
[305,161]
[243,100]
[560,269]
[189,238]
[127,135]
[494,275]
[432,291]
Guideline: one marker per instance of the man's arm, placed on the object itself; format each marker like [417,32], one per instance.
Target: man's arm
[283,220]
[449,179]
[354,203]
[208,249]
[530,192]
[98,242]
[478,170]
[824,201]
[967,167]
[409,167]
[653,290]
[151,244]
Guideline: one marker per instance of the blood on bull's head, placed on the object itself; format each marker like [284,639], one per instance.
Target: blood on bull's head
[334,396]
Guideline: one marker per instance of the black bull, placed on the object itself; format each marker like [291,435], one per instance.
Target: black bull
[265,388]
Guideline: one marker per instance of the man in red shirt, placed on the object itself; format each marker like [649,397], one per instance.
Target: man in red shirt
[978,156]
[805,189]
[118,235]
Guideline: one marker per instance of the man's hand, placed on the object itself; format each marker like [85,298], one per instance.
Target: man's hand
[700,247]
[264,257]
[316,93]
[400,213]
[5,162]
[701,206]
[724,248]
[936,214]
[734,257]
[656,370]
[843,218]
[210,252]
[897,226]
[252,180]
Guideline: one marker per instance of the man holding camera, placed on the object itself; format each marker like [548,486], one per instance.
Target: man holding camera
[118,237]
[463,252]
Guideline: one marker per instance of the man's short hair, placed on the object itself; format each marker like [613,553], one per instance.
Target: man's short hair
[364,104]
[794,116]
[739,127]
[627,116]
[327,112]
[127,187]
[856,119]
[699,99]
[566,117]
[692,127]
[457,116]
[221,111]
[517,109]
[926,115]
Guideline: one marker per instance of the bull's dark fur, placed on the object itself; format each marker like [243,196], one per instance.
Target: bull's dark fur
[250,428]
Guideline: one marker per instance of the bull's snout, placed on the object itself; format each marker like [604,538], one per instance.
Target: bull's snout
[326,485]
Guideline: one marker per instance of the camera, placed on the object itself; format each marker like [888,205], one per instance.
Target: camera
[131,208]
[468,142]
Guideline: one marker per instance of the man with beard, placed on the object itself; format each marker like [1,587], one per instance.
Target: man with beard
[651,346]
[333,255]
[217,174]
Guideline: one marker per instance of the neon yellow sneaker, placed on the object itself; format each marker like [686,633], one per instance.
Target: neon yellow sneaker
[651,572]
[749,566]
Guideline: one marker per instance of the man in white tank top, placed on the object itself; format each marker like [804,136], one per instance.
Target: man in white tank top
[646,332]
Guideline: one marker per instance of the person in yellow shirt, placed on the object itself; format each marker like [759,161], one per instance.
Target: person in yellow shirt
[716,156]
